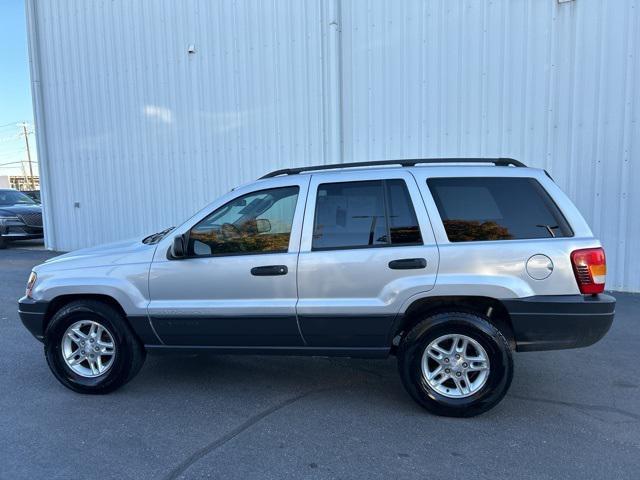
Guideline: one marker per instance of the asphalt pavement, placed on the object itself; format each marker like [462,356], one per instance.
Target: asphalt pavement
[569,414]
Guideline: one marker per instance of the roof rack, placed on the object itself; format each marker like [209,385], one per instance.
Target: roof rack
[499,162]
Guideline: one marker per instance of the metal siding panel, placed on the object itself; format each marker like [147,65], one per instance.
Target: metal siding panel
[142,133]
[552,85]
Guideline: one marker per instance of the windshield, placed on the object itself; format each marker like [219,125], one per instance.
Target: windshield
[13,197]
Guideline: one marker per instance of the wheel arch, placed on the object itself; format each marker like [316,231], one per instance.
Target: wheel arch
[141,327]
[62,300]
[490,308]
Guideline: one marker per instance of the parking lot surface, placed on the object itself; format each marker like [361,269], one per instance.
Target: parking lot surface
[569,414]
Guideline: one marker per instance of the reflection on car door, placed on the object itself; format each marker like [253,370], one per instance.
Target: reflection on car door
[367,246]
[238,286]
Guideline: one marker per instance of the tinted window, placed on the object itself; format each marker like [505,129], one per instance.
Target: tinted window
[496,209]
[258,222]
[364,214]
[13,197]
[403,224]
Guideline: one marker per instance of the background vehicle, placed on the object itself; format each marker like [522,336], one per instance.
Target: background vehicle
[20,217]
[33,195]
[450,267]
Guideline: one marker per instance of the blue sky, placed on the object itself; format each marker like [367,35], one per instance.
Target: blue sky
[15,91]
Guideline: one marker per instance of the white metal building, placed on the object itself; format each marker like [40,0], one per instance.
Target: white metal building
[147,110]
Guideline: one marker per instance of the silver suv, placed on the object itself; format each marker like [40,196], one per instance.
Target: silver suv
[448,264]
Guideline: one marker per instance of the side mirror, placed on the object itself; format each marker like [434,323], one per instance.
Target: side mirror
[263,225]
[178,248]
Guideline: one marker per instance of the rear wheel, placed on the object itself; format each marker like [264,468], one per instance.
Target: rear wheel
[3,242]
[455,364]
[90,348]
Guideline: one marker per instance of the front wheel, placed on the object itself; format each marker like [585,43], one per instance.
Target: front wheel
[90,348]
[455,364]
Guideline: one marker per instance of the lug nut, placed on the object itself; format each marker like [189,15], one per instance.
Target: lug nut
[465,365]
[457,356]
[446,360]
[92,340]
[96,349]
[446,370]
[82,342]
[82,352]
[457,374]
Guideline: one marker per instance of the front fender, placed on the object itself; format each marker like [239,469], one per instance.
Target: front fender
[127,284]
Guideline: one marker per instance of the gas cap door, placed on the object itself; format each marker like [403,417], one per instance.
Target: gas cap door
[539,266]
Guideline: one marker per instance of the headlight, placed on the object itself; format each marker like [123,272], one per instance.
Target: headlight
[30,283]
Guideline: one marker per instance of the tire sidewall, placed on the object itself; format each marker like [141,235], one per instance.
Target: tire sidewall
[53,350]
[500,360]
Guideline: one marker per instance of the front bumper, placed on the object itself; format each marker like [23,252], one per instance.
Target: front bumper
[18,230]
[557,322]
[32,313]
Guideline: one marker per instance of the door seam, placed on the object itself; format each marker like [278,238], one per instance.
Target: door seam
[304,216]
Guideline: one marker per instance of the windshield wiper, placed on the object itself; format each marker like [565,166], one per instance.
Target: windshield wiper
[156,237]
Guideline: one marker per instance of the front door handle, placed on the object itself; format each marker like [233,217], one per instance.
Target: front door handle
[408,263]
[269,270]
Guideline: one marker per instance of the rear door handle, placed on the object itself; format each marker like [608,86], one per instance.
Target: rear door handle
[408,264]
[269,270]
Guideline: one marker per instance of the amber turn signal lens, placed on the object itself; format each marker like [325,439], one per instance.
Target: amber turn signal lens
[30,283]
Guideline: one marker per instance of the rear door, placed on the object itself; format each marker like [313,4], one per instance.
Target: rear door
[367,246]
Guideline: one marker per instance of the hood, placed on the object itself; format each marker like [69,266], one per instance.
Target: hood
[19,209]
[118,253]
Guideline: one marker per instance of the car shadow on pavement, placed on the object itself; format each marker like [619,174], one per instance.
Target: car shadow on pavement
[275,373]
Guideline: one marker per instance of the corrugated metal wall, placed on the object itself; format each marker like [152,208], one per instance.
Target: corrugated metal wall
[141,133]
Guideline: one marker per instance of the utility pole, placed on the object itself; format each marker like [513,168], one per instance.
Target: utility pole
[26,141]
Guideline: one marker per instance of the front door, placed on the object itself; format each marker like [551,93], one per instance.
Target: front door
[367,247]
[237,286]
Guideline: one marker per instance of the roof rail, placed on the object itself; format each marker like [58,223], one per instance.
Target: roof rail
[499,162]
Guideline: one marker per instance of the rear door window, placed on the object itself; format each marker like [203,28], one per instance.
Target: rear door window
[362,214]
[496,208]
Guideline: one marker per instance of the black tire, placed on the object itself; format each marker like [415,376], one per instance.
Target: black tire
[3,243]
[130,353]
[478,328]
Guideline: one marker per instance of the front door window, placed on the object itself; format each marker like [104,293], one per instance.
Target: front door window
[259,222]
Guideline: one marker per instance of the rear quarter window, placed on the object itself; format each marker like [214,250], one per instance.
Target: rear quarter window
[496,208]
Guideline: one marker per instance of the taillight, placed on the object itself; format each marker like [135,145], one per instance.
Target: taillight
[590,267]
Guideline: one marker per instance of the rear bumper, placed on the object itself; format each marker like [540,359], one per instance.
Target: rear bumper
[557,322]
[32,314]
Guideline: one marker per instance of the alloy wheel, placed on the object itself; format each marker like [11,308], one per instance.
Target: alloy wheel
[88,348]
[455,365]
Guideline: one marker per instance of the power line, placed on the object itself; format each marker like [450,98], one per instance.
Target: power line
[14,124]
[9,163]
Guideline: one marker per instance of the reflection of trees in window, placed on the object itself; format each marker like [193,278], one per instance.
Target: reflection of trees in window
[242,240]
[258,222]
[405,235]
[468,230]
